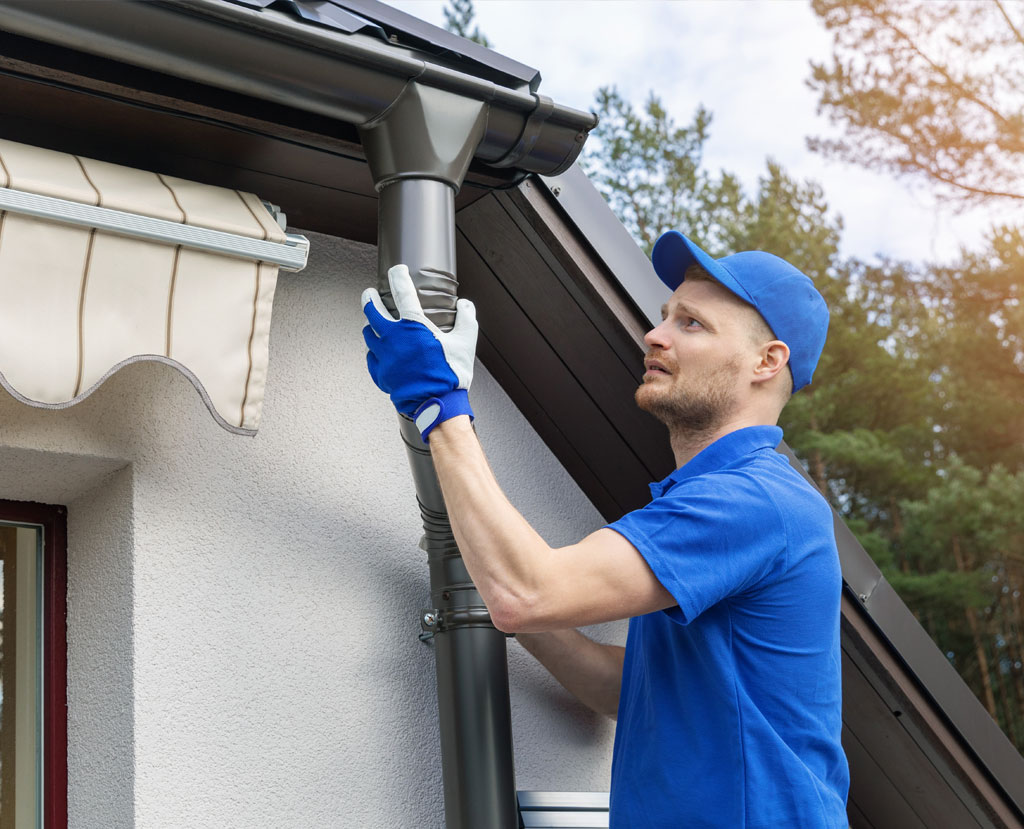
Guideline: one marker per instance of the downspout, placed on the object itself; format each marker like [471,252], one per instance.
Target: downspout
[418,153]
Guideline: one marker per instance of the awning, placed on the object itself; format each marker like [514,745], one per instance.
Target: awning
[103,265]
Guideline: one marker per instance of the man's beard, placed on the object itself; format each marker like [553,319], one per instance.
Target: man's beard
[700,408]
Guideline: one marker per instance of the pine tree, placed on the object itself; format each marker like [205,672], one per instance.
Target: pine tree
[458,19]
[932,90]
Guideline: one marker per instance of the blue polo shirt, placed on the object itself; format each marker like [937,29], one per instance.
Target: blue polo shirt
[730,711]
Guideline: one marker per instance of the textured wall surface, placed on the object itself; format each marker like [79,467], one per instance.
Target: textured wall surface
[243,612]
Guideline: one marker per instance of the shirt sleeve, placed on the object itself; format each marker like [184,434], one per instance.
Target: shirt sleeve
[709,538]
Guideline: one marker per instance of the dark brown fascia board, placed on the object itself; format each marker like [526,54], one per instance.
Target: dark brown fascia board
[910,738]
[611,280]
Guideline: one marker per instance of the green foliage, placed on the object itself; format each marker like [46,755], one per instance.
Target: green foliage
[458,19]
[650,170]
[928,89]
[637,160]
[978,352]
[944,593]
[981,514]
[874,543]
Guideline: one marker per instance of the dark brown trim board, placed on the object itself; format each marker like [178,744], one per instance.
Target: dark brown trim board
[53,521]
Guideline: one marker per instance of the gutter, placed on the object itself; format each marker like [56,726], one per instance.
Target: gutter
[269,55]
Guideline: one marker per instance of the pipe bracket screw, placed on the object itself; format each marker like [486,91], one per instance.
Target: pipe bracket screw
[430,623]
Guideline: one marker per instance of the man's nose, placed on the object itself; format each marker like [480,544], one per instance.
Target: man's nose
[657,337]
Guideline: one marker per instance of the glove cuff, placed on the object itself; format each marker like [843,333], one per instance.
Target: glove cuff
[439,409]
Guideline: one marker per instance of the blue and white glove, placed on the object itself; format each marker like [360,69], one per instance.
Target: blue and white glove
[425,370]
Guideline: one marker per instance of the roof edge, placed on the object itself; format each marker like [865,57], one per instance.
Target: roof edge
[269,55]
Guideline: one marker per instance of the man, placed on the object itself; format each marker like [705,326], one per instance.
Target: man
[728,691]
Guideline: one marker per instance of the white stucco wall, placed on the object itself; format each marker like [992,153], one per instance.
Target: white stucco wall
[243,613]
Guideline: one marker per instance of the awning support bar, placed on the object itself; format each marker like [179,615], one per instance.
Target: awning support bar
[289,256]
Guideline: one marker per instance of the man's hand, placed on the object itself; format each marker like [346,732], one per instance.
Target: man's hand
[426,371]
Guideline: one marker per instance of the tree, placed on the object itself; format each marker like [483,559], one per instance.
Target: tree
[647,167]
[964,574]
[458,19]
[932,90]
[977,304]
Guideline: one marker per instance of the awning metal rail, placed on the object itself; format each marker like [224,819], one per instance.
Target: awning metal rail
[290,255]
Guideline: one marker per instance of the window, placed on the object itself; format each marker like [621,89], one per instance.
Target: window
[33,660]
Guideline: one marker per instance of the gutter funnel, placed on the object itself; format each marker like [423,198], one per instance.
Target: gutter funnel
[419,152]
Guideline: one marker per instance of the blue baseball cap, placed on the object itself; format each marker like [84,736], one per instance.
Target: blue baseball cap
[784,296]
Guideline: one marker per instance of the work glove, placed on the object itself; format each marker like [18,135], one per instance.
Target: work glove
[425,370]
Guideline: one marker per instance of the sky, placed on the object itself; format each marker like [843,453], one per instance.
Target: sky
[745,60]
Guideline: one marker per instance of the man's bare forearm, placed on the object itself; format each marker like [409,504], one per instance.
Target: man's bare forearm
[589,670]
[527,585]
[504,555]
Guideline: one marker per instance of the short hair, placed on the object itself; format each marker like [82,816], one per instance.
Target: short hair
[759,330]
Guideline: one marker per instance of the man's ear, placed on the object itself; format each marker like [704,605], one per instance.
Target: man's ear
[774,356]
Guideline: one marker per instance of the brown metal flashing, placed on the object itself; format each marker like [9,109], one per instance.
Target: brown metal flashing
[571,248]
[904,712]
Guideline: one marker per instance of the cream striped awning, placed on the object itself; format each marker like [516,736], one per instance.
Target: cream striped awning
[81,297]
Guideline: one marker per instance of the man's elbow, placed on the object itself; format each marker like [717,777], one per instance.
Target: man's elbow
[516,613]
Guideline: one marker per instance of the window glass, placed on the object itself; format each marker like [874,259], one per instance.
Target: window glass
[20,676]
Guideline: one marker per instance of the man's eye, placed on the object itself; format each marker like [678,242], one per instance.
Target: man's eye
[690,322]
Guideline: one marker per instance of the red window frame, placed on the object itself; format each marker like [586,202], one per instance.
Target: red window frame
[53,520]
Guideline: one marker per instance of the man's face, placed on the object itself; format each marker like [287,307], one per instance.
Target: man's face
[695,357]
